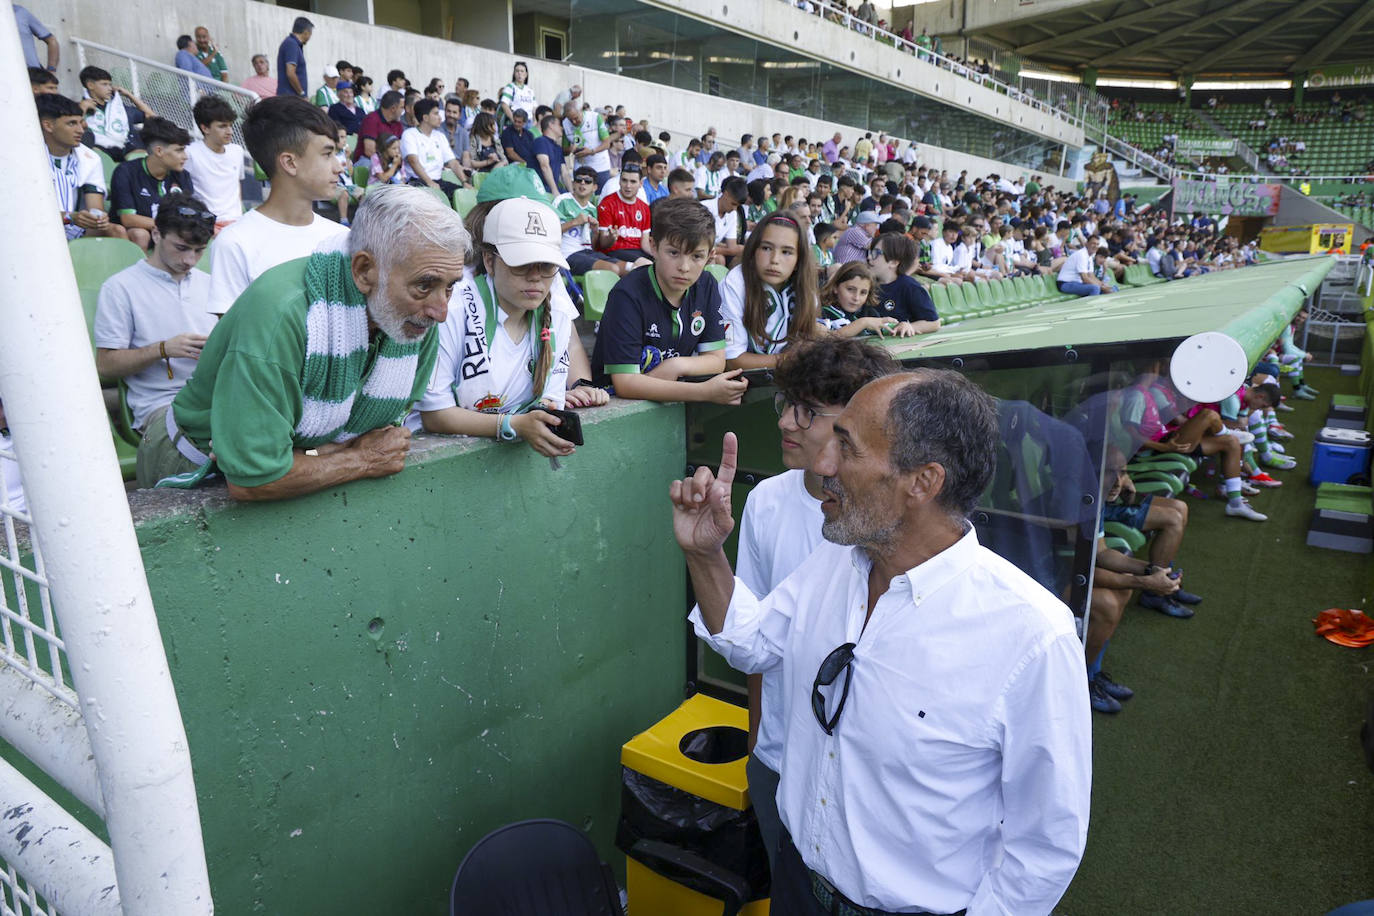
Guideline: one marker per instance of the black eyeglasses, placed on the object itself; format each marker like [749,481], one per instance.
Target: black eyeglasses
[803,414]
[839,661]
[192,212]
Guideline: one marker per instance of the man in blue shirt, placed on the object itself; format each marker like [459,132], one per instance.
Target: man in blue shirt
[518,141]
[29,29]
[186,57]
[291,73]
[655,178]
[548,155]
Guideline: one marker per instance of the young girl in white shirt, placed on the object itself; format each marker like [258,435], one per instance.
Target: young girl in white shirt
[503,350]
[769,298]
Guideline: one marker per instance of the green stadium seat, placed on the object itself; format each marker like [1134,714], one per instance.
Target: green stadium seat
[362,173]
[477,180]
[1134,537]
[596,286]
[718,271]
[204,262]
[95,260]
[464,199]
[106,163]
[939,295]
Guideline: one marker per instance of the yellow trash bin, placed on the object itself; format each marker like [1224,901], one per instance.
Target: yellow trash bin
[686,824]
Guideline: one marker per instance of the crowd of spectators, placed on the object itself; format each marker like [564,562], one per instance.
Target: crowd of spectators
[812,239]
[312,349]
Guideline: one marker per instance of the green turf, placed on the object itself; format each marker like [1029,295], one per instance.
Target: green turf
[1233,782]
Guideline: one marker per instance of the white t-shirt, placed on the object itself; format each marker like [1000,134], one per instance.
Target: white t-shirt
[1080,262]
[432,152]
[779,529]
[217,177]
[942,257]
[727,226]
[256,243]
[496,380]
[708,182]
[142,305]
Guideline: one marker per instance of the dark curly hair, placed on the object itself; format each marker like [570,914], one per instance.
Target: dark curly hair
[828,370]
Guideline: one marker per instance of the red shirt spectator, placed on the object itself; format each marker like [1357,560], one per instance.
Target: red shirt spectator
[626,220]
[385,120]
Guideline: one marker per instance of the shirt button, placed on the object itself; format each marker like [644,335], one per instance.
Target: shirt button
[822,803]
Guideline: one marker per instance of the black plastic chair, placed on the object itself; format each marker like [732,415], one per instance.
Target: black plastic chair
[534,868]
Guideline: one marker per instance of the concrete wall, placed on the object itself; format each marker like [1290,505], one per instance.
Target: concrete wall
[375,676]
[953,16]
[245,27]
[788,27]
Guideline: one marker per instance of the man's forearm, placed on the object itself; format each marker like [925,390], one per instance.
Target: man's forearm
[111,363]
[713,583]
[295,83]
[308,474]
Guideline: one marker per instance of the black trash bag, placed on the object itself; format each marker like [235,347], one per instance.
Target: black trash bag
[654,814]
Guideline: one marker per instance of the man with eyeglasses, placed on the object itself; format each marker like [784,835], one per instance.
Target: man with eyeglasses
[781,523]
[150,318]
[936,743]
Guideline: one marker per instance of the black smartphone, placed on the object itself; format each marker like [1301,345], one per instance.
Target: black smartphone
[570,430]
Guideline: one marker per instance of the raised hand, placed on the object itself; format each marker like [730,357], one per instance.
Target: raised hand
[701,503]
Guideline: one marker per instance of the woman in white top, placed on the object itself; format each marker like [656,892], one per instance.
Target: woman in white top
[517,94]
[503,351]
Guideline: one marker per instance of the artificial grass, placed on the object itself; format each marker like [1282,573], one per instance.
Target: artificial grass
[1234,781]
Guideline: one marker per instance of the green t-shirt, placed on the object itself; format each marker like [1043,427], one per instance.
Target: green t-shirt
[1032,187]
[244,399]
[214,62]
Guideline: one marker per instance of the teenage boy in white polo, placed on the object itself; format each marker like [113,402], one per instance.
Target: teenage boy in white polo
[426,152]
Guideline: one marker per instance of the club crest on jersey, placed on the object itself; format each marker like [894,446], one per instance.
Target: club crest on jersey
[488,404]
[535,226]
[653,331]
[698,324]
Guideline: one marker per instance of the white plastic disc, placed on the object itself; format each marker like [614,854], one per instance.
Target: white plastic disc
[1208,367]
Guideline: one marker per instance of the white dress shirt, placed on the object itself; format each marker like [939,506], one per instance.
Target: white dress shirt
[942,257]
[779,528]
[959,771]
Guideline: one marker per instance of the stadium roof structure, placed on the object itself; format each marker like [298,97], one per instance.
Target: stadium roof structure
[1159,38]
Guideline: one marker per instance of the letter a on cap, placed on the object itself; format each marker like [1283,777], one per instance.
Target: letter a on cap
[536,225]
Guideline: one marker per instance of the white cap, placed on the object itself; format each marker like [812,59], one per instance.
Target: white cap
[524,231]
[330,71]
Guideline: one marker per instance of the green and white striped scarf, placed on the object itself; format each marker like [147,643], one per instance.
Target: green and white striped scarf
[780,306]
[342,397]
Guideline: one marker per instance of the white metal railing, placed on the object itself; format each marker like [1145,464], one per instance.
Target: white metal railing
[85,691]
[841,16]
[1137,157]
[170,92]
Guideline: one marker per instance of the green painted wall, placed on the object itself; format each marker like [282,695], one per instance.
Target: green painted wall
[375,676]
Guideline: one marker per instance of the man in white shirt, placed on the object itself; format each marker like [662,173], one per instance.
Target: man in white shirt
[77,177]
[150,319]
[588,139]
[426,152]
[781,524]
[710,176]
[942,260]
[936,742]
[724,209]
[215,162]
[1084,271]
[293,142]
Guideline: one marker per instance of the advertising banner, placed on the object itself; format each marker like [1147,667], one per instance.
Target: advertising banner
[1231,199]
[1340,76]
[1219,146]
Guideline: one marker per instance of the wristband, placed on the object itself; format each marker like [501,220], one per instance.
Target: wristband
[505,432]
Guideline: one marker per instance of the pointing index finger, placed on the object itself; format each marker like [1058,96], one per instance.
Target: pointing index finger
[729,455]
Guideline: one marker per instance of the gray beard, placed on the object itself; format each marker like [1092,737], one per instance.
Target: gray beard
[852,532]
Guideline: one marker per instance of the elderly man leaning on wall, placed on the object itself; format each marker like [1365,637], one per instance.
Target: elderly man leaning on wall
[304,383]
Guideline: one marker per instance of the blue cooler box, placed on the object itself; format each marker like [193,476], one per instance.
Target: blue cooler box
[1339,455]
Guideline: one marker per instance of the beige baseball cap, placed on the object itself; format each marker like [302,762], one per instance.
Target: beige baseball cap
[524,232]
